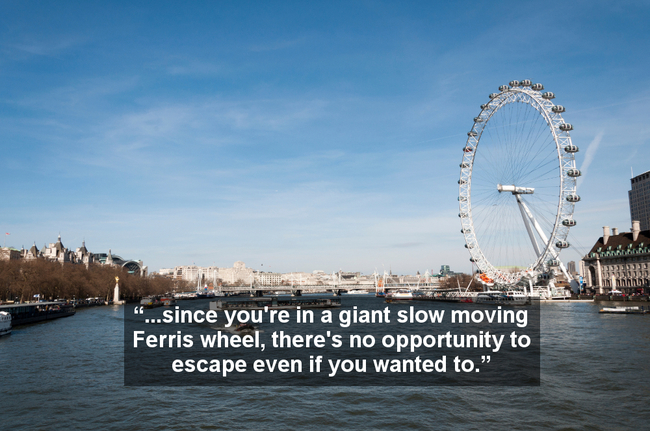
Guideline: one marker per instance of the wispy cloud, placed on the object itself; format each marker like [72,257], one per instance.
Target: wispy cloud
[47,47]
[591,153]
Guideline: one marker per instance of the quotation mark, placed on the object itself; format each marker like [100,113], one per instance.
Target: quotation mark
[138,310]
[485,359]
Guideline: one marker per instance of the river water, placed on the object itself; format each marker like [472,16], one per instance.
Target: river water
[68,373]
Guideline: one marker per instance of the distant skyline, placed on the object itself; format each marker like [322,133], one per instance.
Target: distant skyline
[298,135]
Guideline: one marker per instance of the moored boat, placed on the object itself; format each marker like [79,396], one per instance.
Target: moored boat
[498,297]
[403,295]
[168,301]
[5,323]
[151,302]
[399,295]
[356,292]
[22,314]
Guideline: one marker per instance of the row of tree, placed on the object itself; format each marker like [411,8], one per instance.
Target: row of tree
[21,280]
[460,280]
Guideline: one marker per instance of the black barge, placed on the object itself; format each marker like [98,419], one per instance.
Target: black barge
[22,314]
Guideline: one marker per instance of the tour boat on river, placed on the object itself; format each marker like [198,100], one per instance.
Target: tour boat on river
[625,310]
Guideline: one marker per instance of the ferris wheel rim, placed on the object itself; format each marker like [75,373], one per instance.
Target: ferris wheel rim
[542,103]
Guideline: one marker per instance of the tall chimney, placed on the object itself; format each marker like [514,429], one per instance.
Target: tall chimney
[615,231]
[636,228]
[605,234]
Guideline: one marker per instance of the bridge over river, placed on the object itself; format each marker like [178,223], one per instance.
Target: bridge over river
[338,289]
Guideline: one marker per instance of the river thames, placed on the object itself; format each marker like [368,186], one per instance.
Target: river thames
[68,373]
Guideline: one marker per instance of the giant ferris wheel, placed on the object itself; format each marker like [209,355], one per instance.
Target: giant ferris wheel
[517,186]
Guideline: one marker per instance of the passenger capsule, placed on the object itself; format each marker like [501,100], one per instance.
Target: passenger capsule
[565,127]
[462,182]
[571,148]
[548,95]
[562,244]
[544,276]
[483,106]
[574,173]
[472,133]
[465,230]
[573,198]
[504,88]
[471,259]
[514,84]
[494,95]
[462,198]
[478,120]
[553,262]
[569,222]
[467,149]
[526,83]
[464,165]
[462,215]
[537,87]
[558,109]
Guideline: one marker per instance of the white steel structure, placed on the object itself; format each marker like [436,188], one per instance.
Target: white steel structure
[517,189]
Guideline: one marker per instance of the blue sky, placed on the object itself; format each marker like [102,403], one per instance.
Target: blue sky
[297,135]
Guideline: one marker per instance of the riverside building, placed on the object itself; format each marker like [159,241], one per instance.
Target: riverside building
[619,261]
[57,252]
[640,200]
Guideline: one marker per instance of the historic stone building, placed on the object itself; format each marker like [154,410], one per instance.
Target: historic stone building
[82,255]
[57,252]
[32,253]
[619,261]
[9,253]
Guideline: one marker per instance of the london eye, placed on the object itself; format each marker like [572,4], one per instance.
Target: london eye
[517,186]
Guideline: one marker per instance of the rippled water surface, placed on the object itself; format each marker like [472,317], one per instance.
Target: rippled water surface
[68,374]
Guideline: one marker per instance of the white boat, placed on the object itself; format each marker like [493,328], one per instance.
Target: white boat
[400,295]
[549,294]
[168,301]
[625,310]
[185,295]
[5,323]
[501,298]
[357,292]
